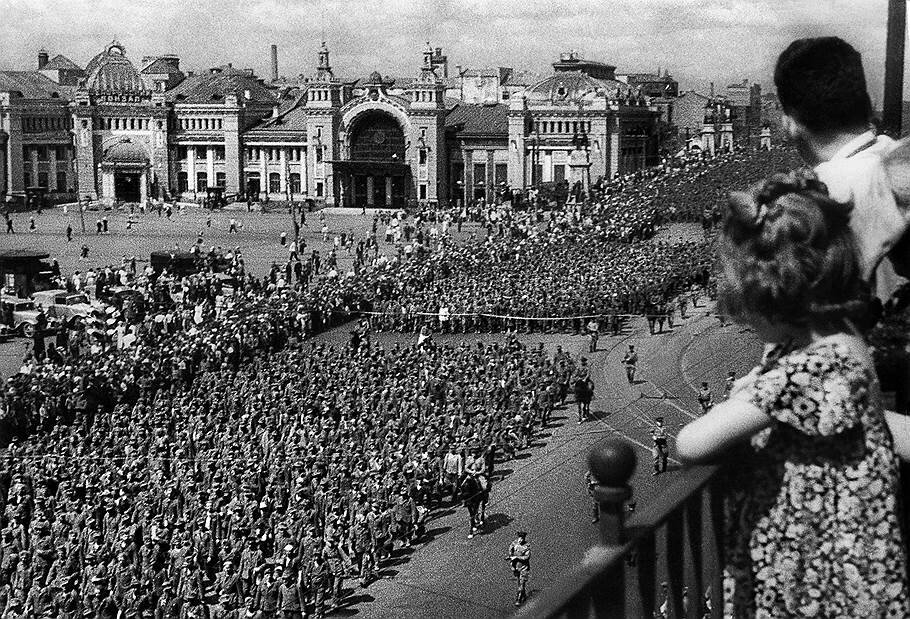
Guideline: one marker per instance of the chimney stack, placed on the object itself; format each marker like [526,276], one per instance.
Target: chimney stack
[274,62]
[712,90]
[42,58]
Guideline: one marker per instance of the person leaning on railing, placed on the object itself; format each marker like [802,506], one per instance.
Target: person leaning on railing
[817,488]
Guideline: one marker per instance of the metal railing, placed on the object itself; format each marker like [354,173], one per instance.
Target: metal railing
[677,542]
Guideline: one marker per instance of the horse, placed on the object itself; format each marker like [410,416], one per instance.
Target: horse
[474,492]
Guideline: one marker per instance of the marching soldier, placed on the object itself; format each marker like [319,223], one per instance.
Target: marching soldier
[594,333]
[705,399]
[630,360]
[520,560]
[728,387]
[591,482]
[660,451]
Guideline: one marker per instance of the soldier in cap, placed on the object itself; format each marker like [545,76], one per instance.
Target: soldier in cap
[630,361]
[660,450]
[705,398]
[520,562]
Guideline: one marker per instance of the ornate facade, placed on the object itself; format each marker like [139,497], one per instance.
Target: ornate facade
[122,133]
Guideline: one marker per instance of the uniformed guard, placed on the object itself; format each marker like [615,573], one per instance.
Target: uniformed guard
[630,360]
[705,398]
[591,483]
[728,387]
[661,453]
[520,561]
[593,329]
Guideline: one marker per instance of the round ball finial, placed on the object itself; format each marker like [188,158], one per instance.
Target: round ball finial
[612,462]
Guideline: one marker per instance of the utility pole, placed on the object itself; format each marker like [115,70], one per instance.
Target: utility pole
[892,107]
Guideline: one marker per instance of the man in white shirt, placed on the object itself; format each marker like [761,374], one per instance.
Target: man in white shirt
[827,114]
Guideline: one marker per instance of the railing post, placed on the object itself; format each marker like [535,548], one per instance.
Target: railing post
[612,464]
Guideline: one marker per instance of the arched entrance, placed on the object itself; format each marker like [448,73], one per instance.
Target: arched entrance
[124,172]
[375,174]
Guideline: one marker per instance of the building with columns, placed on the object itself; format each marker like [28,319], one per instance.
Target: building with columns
[115,131]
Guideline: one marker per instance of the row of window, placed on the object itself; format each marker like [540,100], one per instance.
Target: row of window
[61,153]
[500,173]
[125,124]
[200,124]
[40,124]
[44,180]
[252,178]
[200,152]
[426,96]
[559,126]
[272,154]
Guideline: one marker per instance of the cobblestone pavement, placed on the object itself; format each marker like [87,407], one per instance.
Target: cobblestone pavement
[543,491]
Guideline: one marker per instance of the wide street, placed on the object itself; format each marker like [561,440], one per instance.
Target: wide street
[543,491]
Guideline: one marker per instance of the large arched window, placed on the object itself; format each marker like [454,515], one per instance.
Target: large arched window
[274,182]
[377,136]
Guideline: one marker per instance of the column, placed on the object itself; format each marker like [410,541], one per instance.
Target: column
[468,176]
[4,175]
[143,187]
[210,165]
[491,177]
[34,164]
[191,169]
[388,191]
[613,147]
[52,168]
[304,170]
[283,160]
[370,183]
[15,162]
[263,172]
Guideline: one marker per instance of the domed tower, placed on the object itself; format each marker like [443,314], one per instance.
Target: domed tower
[119,130]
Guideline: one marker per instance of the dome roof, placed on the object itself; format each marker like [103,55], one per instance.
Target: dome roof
[125,151]
[573,87]
[111,71]
[375,78]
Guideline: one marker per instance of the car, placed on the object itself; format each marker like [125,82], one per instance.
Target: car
[67,307]
[18,315]
[119,297]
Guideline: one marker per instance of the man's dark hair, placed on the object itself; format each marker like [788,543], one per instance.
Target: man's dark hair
[820,82]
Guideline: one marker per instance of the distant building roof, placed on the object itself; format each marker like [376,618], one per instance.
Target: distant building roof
[522,77]
[574,86]
[213,87]
[61,62]
[571,61]
[31,84]
[479,119]
[111,71]
[161,65]
[291,115]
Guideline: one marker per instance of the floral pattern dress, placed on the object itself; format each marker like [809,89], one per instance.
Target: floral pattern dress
[812,525]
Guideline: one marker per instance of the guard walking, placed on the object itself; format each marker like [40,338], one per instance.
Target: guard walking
[520,560]
[630,360]
[660,451]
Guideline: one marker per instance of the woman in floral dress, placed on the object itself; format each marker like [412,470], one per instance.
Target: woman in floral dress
[813,524]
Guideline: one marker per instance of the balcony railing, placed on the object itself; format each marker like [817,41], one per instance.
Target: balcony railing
[677,542]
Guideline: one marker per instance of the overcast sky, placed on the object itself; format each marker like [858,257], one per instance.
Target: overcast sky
[699,40]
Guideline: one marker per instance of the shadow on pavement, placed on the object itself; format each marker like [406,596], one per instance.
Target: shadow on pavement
[495,522]
[432,534]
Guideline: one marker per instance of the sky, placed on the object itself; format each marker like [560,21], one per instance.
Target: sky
[700,41]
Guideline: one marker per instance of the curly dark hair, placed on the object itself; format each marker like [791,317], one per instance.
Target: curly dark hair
[787,255]
[821,83]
